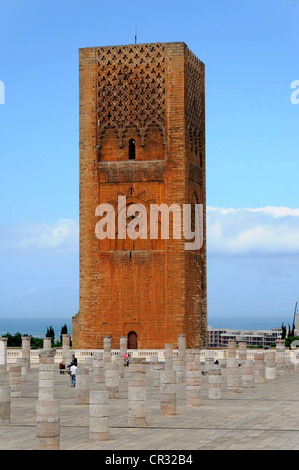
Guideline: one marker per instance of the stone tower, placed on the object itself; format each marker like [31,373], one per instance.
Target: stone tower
[142,142]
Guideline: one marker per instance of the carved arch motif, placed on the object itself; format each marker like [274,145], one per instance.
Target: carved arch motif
[131,90]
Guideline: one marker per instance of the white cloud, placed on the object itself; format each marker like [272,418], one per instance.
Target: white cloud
[266,230]
[230,231]
[59,236]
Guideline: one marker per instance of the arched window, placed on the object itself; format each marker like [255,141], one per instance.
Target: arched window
[132,150]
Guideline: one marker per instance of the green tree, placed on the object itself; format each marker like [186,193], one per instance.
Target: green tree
[63,331]
[14,341]
[51,334]
[283,331]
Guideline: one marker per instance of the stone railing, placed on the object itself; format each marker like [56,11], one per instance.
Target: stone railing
[14,353]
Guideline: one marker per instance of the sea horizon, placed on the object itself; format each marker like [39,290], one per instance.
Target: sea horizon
[36,327]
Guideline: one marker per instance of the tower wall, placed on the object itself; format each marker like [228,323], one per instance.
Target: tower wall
[154,94]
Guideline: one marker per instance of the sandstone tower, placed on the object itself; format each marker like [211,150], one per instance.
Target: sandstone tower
[142,136]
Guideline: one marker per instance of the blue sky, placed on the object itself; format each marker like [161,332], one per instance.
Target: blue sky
[251,54]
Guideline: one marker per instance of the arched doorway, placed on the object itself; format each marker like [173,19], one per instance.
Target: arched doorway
[132,340]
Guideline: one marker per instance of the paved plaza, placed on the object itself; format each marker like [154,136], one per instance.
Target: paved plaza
[265,417]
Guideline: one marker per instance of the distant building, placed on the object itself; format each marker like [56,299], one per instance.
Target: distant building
[218,338]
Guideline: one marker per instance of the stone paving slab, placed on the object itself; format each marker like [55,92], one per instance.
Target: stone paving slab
[265,417]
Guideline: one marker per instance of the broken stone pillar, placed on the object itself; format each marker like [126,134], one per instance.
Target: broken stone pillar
[168,356]
[259,367]
[107,349]
[290,363]
[168,392]
[242,351]
[89,363]
[98,367]
[179,361]
[193,377]
[153,362]
[46,374]
[26,350]
[156,371]
[270,365]
[112,379]
[209,360]
[5,406]
[15,381]
[66,351]
[182,348]
[215,382]
[137,395]
[247,370]
[48,425]
[99,416]
[231,348]
[3,355]
[123,342]
[280,358]
[47,342]
[222,363]
[232,374]
[82,386]
[21,361]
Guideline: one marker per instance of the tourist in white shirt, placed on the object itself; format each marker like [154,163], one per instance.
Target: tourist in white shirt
[73,371]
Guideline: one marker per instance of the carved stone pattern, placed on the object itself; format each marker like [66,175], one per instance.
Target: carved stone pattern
[195,104]
[131,90]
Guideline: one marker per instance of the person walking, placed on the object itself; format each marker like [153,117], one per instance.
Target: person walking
[73,371]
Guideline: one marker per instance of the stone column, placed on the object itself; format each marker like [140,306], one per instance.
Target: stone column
[168,356]
[26,350]
[193,375]
[112,379]
[107,349]
[215,382]
[231,348]
[153,362]
[280,358]
[156,371]
[242,351]
[46,374]
[137,395]
[22,362]
[99,416]
[179,361]
[98,367]
[89,363]
[270,365]
[123,340]
[209,360]
[289,363]
[48,425]
[47,343]
[248,379]
[82,386]
[3,355]
[182,348]
[5,404]
[168,392]
[222,363]
[259,367]
[66,351]
[15,380]
[232,374]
